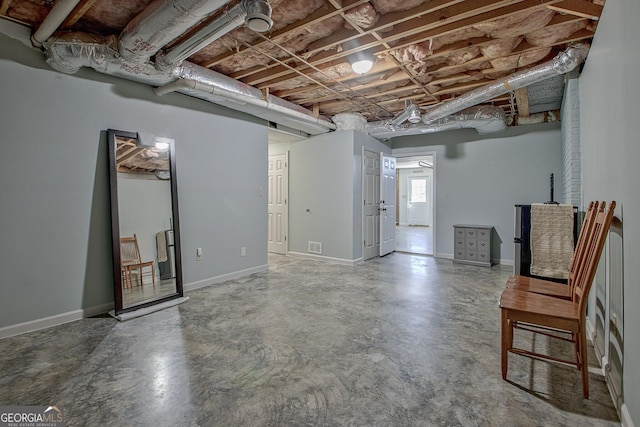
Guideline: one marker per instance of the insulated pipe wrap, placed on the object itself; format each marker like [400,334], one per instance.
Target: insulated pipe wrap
[561,64]
[483,118]
[160,23]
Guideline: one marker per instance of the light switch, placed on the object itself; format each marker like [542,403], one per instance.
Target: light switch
[198,254]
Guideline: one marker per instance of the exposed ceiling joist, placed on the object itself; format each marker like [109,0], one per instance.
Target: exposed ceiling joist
[428,51]
[582,8]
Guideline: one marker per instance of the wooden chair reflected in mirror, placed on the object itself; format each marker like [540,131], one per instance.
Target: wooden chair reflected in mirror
[132,267]
[144,206]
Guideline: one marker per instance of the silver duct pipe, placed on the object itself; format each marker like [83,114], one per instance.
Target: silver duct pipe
[163,21]
[160,23]
[255,13]
[561,64]
[70,52]
[214,86]
[483,118]
[411,113]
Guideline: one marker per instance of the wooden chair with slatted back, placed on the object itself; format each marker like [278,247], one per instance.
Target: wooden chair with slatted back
[130,261]
[547,287]
[551,316]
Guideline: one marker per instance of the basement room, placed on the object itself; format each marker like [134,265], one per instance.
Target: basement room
[322,213]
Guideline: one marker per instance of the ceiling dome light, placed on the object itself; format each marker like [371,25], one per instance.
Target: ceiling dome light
[361,62]
[361,66]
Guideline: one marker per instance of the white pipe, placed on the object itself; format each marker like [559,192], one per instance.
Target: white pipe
[56,16]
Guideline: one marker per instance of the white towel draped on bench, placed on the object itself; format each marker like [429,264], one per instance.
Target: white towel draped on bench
[551,239]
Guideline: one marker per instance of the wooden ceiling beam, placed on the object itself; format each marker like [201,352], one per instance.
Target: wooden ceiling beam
[582,8]
[319,15]
[77,13]
[522,101]
[4,6]
[463,45]
[325,50]
[467,16]
[525,47]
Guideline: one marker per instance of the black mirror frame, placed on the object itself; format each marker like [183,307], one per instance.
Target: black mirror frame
[115,225]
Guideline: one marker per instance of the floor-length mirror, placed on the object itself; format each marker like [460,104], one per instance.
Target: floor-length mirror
[144,220]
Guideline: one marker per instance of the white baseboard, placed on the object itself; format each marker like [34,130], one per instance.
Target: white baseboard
[341,261]
[443,255]
[71,316]
[625,417]
[506,262]
[223,278]
[58,319]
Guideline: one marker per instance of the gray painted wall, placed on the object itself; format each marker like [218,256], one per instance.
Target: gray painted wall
[320,194]
[144,210]
[325,177]
[54,204]
[478,180]
[609,94]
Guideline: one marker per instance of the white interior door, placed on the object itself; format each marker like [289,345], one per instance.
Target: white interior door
[387,204]
[277,209]
[371,199]
[418,208]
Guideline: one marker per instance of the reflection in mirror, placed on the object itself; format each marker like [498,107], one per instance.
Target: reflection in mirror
[145,235]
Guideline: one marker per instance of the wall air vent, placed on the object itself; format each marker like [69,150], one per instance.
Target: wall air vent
[315,247]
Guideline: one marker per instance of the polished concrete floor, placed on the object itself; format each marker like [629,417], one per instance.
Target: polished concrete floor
[414,239]
[397,341]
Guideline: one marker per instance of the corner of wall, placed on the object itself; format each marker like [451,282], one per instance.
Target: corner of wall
[571,191]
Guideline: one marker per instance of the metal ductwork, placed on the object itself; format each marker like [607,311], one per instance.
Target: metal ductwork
[563,63]
[211,86]
[144,36]
[411,113]
[69,52]
[160,23]
[483,118]
[256,14]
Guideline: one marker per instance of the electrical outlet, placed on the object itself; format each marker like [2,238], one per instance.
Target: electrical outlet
[243,251]
[199,254]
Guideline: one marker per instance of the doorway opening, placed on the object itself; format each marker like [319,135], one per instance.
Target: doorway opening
[415,204]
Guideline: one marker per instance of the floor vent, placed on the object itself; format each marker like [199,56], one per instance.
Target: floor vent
[315,247]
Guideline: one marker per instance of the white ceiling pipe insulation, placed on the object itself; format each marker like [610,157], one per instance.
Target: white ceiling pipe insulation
[483,118]
[563,63]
